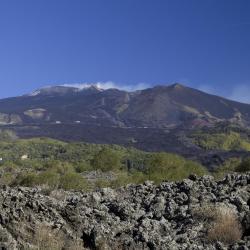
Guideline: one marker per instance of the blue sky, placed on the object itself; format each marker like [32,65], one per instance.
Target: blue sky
[204,44]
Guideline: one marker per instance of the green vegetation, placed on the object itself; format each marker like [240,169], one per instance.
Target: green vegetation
[54,164]
[107,160]
[166,166]
[233,165]
[244,166]
[229,166]
[224,141]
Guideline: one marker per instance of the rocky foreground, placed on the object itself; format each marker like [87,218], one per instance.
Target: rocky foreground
[196,213]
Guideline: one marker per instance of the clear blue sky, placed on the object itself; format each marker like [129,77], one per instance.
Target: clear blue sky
[204,44]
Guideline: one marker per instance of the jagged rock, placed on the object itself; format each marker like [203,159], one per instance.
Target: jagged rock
[144,216]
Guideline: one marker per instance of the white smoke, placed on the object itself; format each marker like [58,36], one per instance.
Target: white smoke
[109,85]
[240,92]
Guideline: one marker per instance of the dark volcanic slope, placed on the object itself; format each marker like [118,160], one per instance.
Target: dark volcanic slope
[158,107]
[148,139]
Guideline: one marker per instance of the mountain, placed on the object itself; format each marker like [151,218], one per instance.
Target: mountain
[161,118]
[157,107]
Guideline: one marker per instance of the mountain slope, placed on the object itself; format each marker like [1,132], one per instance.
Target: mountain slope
[176,104]
[157,107]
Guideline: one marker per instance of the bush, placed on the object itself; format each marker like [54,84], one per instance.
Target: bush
[46,238]
[26,179]
[191,167]
[7,178]
[164,166]
[244,166]
[48,178]
[228,166]
[226,227]
[225,141]
[72,181]
[221,222]
[29,164]
[59,167]
[51,162]
[124,178]
[83,166]
[52,180]
[106,160]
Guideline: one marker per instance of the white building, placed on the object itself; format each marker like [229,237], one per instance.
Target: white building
[24,157]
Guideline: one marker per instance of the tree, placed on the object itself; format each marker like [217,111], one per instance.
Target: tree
[106,160]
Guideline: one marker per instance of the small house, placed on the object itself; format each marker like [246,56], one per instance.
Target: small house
[24,157]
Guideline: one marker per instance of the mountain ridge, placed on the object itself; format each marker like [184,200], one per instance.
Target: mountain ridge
[160,106]
[161,118]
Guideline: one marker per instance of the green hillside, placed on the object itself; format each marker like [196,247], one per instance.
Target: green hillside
[56,164]
[223,136]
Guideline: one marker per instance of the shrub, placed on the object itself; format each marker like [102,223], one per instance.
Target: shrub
[192,167]
[101,183]
[221,221]
[51,161]
[72,181]
[75,244]
[226,227]
[59,167]
[26,179]
[124,178]
[106,160]
[225,141]
[49,178]
[82,166]
[206,213]
[244,166]
[162,166]
[7,178]
[228,166]
[46,238]
[9,166]
[29,164]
